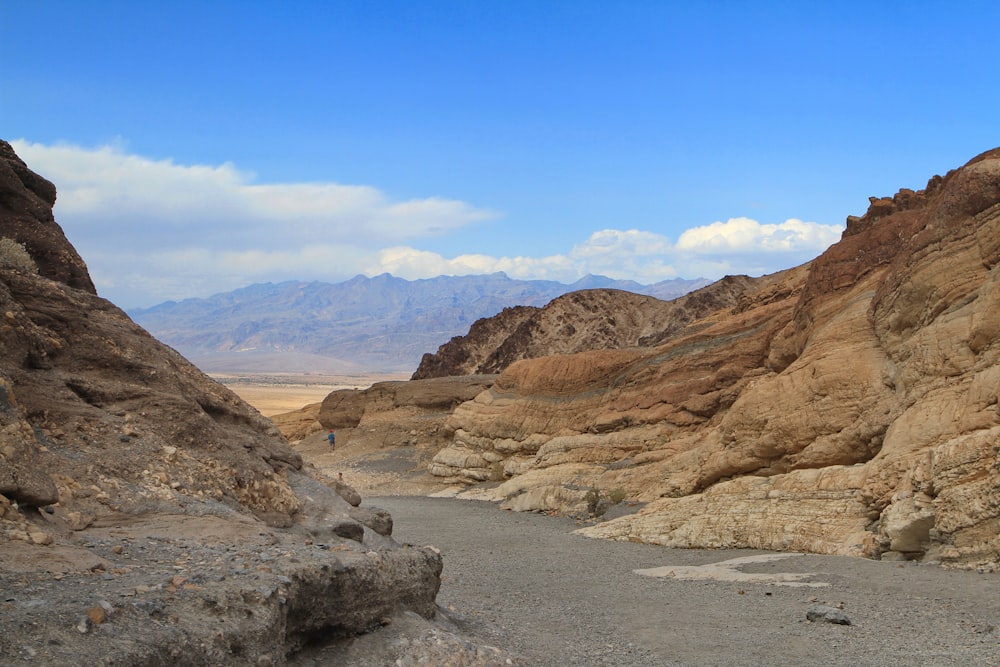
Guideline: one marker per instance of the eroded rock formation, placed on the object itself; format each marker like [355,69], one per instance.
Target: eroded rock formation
[595,319]
[346,408]
[147,514]
[849,406]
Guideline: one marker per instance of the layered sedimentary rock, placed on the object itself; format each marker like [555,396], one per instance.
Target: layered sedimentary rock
[848,406]
[346,408]
[118,457]
[594,319]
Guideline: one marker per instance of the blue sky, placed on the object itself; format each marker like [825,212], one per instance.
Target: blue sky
[202,146]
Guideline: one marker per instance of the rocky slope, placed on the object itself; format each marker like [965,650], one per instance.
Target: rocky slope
[147,514]
[596,319]
[849,406]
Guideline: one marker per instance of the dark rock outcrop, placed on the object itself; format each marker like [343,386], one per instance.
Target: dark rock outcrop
[26,201]
[466,354]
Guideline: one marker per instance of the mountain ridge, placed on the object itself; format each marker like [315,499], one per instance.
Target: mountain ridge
[381,324]
[588,319]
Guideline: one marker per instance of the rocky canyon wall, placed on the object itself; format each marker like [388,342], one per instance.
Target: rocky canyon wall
[849,406]
[147,514]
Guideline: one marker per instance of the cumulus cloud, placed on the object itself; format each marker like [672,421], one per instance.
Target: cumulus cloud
[737,246]
[742,235]
[153,230]
[627,254]
[140,201]
[411,263]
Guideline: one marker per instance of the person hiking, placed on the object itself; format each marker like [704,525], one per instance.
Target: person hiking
[332,438]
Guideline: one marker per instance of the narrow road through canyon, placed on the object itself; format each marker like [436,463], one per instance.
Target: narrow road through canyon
[526,583]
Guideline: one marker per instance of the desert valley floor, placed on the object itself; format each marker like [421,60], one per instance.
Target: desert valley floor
[276,393]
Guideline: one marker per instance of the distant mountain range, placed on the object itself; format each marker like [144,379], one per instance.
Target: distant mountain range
[363,325]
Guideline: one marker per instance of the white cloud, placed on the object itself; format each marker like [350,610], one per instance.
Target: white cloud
[742,235]
[411,263]
[150,276]
[614,242]
[138,201]
[738,246]
[630,254]
[153,230]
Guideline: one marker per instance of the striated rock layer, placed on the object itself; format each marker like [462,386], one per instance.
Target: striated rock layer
[147,514]
[848,406]
[579,321]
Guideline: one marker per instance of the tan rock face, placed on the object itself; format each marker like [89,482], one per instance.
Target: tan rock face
[848,406]
[346,408]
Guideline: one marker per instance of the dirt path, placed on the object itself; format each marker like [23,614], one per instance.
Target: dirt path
[526,583]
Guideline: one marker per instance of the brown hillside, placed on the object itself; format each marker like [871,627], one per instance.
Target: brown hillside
[598,319]
[467,355]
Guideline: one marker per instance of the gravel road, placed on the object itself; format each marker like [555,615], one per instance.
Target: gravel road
[525,583]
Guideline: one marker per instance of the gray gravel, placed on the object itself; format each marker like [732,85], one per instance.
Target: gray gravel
[525,583]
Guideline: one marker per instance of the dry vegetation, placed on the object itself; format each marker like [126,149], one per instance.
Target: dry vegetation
[15,255]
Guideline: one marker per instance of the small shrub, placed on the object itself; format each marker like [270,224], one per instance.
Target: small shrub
[594,505]
[15,255]
[496,472]
[598,503]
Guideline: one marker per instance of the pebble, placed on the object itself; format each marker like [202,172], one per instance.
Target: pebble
[827,615]
[97,615]
[40,538]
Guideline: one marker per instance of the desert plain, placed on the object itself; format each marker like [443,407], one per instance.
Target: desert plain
[276,393]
